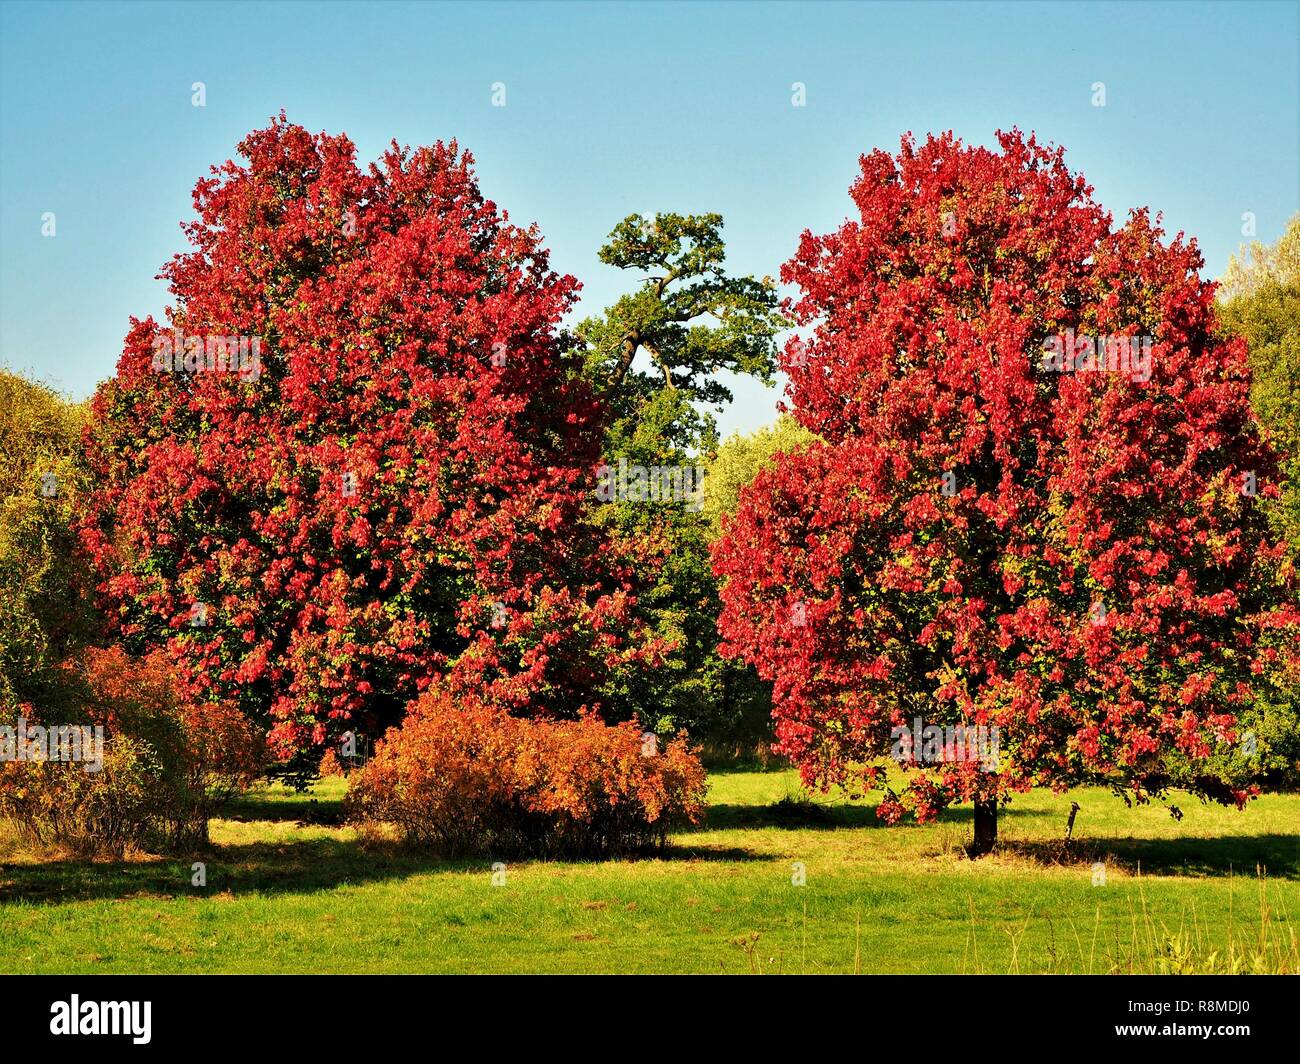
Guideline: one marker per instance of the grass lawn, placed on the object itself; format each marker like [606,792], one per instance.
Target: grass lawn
[288,892]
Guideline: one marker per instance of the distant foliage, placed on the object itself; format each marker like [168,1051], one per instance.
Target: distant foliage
[461,776]
[659,358]
[1260,266]
[656,353]
[46,586]
[1260,300]
[739,460]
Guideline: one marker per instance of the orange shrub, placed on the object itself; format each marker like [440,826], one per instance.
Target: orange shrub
[331,765]
[464,777]
[168,764]
[110,811]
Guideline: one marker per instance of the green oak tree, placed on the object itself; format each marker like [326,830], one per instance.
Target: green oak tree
[655,356]
[655,353]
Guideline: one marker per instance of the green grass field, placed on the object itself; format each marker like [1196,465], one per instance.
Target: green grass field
[288,892]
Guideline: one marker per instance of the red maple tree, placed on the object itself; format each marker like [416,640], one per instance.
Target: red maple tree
[357,455]
[1034,506]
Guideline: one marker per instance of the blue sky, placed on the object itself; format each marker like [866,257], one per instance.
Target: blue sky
[611,108]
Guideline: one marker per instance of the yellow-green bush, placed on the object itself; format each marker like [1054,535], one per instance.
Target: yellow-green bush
[45,588]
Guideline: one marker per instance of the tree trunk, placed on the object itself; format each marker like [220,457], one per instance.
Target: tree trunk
[986,826]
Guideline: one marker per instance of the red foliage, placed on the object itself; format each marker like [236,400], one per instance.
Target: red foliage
[1070,491]
[398,488]
[123,691]
[466,776]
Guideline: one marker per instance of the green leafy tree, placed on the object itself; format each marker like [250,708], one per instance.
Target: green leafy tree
[655,356]
[1260,300]
[46,608]
[739,460]
[656,352]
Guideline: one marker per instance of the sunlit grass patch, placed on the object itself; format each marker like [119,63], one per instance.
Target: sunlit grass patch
[289,891]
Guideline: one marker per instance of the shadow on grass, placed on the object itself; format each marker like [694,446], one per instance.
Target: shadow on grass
[801,815]
[299,808]
[1278,856]
[299,867]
